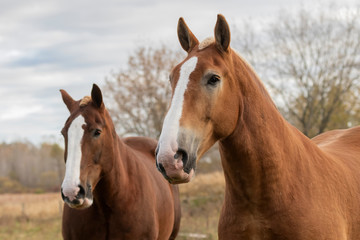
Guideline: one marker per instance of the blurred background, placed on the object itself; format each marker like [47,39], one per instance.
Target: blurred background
[307,53]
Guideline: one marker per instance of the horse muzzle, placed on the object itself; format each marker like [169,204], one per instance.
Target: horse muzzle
[77,197]
[176,167]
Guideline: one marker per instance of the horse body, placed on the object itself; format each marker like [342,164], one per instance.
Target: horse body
[130,194]
[279,183]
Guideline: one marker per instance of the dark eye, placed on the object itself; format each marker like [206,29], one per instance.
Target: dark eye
[97,132]
[213,80]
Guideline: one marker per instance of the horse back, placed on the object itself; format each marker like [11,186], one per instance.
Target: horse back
[343,143]
[142,144]
[343,147]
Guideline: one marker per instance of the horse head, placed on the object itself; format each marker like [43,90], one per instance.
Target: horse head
[86,132]
[205,104]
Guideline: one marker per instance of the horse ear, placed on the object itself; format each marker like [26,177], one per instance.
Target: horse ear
[186,38]
[222,33]
[68,100]
[96,96]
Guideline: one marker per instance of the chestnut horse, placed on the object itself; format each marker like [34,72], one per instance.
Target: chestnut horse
[112,188]
[279,183]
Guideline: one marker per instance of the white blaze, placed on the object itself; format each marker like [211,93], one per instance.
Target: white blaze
[168,137]
[72,172]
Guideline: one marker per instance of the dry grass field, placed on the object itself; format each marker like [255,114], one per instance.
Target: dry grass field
[30,216]
[38,216]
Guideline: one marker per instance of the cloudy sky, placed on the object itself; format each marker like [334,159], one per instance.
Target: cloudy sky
[50,45]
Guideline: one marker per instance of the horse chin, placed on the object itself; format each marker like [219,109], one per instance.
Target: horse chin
[185,178]
[83,203]
[87,203]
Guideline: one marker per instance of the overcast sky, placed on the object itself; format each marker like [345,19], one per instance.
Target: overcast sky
[50,45]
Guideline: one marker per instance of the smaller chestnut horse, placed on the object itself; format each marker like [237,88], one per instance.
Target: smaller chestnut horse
[113,181]
[279,183]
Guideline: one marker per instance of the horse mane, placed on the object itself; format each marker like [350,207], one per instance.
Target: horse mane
[85,101]
[255,77]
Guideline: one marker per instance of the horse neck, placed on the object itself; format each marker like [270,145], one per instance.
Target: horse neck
[261,154]
[114,185]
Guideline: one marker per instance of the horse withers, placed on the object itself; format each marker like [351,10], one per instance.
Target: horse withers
[279,183]
[111,187]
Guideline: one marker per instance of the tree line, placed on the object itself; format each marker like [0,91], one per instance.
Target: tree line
[26,167]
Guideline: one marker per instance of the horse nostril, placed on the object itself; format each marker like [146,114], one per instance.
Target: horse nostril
[156,151]
[157,165]
[183,154]
[161,168]
[81,193]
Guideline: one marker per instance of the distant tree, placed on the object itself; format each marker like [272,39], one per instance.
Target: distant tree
[30,166]
[57,155]
[311,60]
[138,96]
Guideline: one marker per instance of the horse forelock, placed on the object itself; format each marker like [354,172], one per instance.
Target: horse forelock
[85,101]
[207,42]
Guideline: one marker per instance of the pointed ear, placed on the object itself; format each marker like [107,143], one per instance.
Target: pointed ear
[68,100]
[186,38]
[96,96]
[222,33]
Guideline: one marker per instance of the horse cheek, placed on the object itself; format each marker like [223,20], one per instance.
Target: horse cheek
[94,175]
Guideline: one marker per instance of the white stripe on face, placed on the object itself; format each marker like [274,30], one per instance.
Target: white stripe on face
[72,172]
[170,128]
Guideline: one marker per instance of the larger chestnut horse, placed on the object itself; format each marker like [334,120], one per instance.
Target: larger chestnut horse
[279,183]
[111,186]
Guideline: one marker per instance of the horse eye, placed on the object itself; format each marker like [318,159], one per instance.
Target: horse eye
[97,132]
[213,80]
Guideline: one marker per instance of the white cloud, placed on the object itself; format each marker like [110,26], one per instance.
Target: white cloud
[19,112]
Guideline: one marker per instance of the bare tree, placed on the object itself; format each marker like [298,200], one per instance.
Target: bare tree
[311,60]
[138,96]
